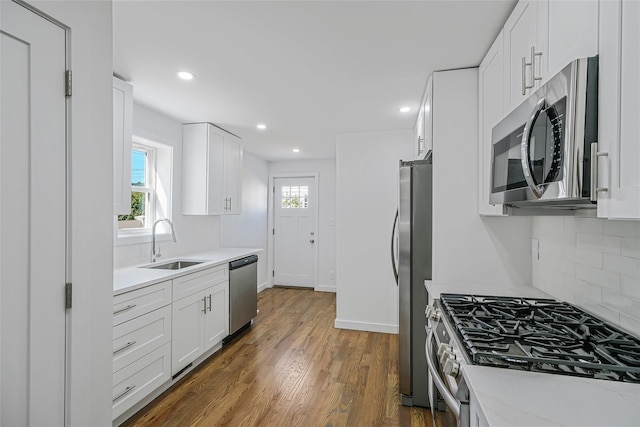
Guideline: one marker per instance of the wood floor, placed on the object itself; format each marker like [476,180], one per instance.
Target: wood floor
[293,368]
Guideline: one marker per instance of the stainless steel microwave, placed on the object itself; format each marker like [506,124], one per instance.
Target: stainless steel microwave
[542,151]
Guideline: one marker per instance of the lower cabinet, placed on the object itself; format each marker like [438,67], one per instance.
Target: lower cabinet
[200,321]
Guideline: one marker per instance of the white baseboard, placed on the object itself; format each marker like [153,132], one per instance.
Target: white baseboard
[325,288]
[264,286]
[369,327]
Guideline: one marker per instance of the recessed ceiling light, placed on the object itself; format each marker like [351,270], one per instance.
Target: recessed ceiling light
[404,109]
[185,75]
[296,150]
[261,126]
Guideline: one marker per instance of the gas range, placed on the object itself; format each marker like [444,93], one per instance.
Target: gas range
[534,334]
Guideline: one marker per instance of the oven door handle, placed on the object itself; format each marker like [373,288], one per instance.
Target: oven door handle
[449,399]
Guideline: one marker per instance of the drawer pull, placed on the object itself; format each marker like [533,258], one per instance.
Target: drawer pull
[209,302]
[127,308]
[124,347]
[126,390]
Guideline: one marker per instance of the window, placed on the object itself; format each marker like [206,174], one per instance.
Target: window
[151,165]
[295,197]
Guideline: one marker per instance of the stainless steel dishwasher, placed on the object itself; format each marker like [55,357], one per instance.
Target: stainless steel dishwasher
[243,293]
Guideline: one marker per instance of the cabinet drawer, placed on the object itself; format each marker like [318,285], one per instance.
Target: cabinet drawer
[140,336]
[136,303]
[134,382]
[196,282]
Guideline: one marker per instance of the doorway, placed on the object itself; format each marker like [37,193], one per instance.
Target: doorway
[294,230]
[33,217]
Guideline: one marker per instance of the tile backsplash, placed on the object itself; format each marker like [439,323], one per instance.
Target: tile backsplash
[593,263]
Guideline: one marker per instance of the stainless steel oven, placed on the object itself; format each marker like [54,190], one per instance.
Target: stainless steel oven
[544,150]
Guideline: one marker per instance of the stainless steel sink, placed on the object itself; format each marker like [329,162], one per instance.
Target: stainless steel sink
[174,265]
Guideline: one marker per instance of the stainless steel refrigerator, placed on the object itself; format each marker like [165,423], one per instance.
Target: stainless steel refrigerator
[414,265]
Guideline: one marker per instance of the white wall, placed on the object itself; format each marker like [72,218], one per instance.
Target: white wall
[466,246]
[367,198]
[249,229]
[90,320]
[591,262]
[195,233]
[326,238]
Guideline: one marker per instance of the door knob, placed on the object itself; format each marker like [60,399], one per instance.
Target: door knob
[312,241]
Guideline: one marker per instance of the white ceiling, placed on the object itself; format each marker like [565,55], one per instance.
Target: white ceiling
[308,69]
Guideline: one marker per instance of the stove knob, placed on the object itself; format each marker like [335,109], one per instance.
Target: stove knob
[452,367]
[427,311]
[446,355]
[434,315]
[442,348]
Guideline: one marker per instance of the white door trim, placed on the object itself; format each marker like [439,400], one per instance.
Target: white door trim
[270,224]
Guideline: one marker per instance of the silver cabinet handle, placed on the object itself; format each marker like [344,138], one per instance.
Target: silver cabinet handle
[595,155]
[524,76]
[126,390]
[204,301]
[449,399]
[229,203]
[122,310]
[209,302]
[534,54]
[124,347]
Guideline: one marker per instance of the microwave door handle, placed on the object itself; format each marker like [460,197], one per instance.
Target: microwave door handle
[449,399]
[525,159]
[393,247]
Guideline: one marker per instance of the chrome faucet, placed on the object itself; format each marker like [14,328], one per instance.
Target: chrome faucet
[155,255]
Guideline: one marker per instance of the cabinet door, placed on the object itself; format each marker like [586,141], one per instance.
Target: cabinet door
[572,32]
[520,35]
[233,156]
[419,132]
[428,116]
[618,110]
[491,109]
[122,136]
[187,330]
[216,321]
[216,172]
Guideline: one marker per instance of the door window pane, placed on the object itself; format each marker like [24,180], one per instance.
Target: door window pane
[295,197]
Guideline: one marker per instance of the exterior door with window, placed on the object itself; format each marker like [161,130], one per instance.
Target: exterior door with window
[32,218]
[295,238]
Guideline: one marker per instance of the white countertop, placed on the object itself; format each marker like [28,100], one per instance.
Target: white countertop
[130,278]
[519,398]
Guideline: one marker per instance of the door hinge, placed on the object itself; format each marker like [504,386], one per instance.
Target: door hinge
[273,273]
[67,295]
[67,83]
[274,232]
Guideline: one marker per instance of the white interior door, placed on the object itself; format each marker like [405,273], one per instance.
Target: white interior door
[295,236]
[32,219]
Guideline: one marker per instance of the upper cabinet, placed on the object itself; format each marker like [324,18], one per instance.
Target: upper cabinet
[122,136]
[491,109]
[523,52]
[424,123]
[541,37]
[619,110]
[211,171]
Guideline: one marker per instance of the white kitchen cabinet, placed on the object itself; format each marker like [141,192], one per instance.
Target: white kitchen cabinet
[619,110]
[523,54]
[201,318]
[141,344]
[427,108]
[211,171]
[122,137]
[491,110]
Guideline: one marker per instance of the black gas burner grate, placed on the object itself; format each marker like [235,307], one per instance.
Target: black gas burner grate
[541,335]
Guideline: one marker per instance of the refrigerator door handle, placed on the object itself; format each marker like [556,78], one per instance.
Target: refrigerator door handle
[393,247]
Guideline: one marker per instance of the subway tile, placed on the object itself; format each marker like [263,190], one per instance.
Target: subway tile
[630,247]
[622,228]
[585,257]
[596,276]
[621,264]
[630,286]
[599,242]
[587,293]
[584,225]
[630,324]
[624,304]
[547,226]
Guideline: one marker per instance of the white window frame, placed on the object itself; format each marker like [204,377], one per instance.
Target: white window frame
[159,170]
